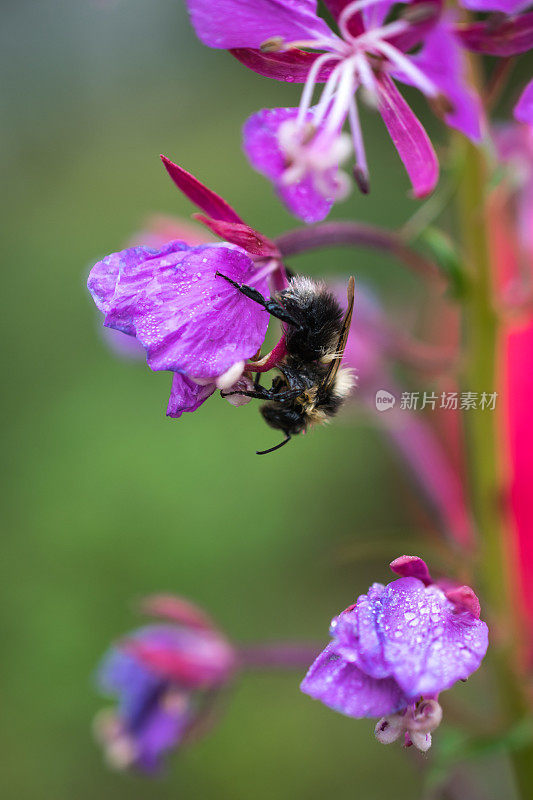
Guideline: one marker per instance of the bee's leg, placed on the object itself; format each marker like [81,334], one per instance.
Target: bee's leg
[257,381]
[270,305]
[258,393]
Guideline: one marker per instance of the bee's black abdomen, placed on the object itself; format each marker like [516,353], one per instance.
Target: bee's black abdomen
[320,316]
[289,419]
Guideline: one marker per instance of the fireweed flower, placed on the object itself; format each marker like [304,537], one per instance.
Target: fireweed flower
[301,149]
[165,678]
[396,649]
[189,320]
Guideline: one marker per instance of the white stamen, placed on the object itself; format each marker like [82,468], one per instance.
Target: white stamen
[366,75]
[342,97]
[406,65]
[322,106]
[357,137]
[310,83]
[348,12]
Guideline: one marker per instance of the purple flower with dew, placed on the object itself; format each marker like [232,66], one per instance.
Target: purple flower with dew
[396,649]
[301,149]
[188,319]
[165,678]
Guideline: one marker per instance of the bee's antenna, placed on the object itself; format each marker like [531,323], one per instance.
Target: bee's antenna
[271,449]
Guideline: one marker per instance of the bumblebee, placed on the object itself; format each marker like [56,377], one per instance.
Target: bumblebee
[312,386]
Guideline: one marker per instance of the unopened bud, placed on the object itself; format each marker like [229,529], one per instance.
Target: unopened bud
[388,729]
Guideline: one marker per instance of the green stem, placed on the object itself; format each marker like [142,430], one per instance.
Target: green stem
[485,472]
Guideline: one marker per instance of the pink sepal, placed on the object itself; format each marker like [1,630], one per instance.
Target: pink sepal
[412,567]
[176,609]
[242,235]
[270,360]
[465,598]
[200,195]
[292,66]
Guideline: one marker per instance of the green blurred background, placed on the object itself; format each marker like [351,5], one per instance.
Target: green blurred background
[105,499]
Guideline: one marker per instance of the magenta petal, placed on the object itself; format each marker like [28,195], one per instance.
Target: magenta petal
[505,6]
[242,235]
[511,37]
[249,23]
[442,61]
[429,644]
[260,142]
[192,321]
[125,272]
[409,137]
[200,195]
[176,609]
[344,687]
[465,598]
[412,567]
[523,111]
[292,66]
[355,24]
[186,395]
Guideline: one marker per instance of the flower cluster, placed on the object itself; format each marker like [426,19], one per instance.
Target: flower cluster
[200,306]
[396,649]
[373,47]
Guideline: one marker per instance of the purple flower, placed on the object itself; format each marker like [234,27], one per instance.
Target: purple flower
[301,149]
[165,677]
[396,648]
[189,320]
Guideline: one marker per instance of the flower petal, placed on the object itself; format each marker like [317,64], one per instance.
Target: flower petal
[409,137]
[511,37]
[263,149]
[412,567]
[207,200]
[292,66]
[355,23]
[132,268]
[162,730]
[523,111]
[442,61]
[344,687]
[242,235]
[249,23]
[176,609]
[505,6]
[191,321]
[186,395]
[427,641]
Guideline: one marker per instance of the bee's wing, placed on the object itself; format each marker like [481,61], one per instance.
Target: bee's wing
[343,338]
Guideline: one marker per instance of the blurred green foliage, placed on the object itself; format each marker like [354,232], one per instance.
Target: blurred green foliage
[104,498]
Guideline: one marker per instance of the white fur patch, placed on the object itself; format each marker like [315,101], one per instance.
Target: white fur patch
[345,380]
